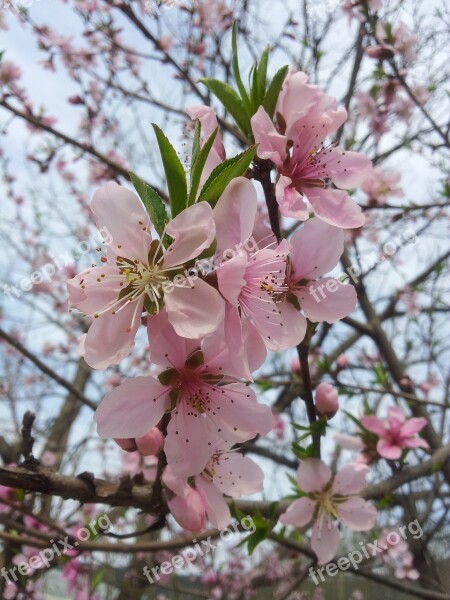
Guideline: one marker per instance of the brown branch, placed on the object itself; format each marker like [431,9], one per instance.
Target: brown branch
[47,370]
[132,493]
[84,147]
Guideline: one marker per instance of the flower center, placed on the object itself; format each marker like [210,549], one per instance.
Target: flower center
[327,503]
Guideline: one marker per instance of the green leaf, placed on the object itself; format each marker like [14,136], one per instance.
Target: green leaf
[254,539]
[175,175]
[196,142]
[237,72]
[261,75]
[198,164]
[224,173]
[231,101]
[152,202]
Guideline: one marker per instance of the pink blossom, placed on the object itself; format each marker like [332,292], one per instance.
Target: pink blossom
[393,40]
[326,400]
[398,556]
[325,502]
[227,472]
[253,280]
[9,72]
[309,117]
[316,249]
[395,433]
[381,184]
[141,272]
[196,386]
[342,361]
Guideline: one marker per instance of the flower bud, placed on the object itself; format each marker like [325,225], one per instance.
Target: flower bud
[150,443]
[327,402]
[127,444]
[295,365]
[189,511]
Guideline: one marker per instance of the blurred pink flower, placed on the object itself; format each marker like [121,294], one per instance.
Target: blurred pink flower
[396,433]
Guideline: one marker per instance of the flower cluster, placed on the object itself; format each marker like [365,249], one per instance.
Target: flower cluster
[210,328]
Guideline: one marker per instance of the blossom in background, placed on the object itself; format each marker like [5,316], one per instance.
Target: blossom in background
[393,40]
[324,299]
[398,556]
[396,433]
[227,472]
[141,274]
[308,116]
[381,184]
[328,500]
[198,387]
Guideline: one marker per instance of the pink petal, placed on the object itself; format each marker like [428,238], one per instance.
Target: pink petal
[95,295]
[357,514]
[327,300]
[237,475]
[189,441]
[374,424]
[131,409]
[235,213]
[235,348]
[336,208]
[216,508]
[193,230]
[388,450]
[272,145]
[313,475]
[189,511]
[297,97]
[167,349]
[120,215]
[109,340]
[350,479]
[324,540]
[195,311]
[299,513]
[396,417]
[347,169]
[415,443]
[292,204]
[230,278]
[349,442]
[178,485]
[208,121]
[293,328]
[316,249]
[236,413]
[413,426]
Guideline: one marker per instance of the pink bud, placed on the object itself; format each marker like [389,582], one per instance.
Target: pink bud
[189,511]
[127,444]
[150,443]
[327,402]
[342,361]
[295,365]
